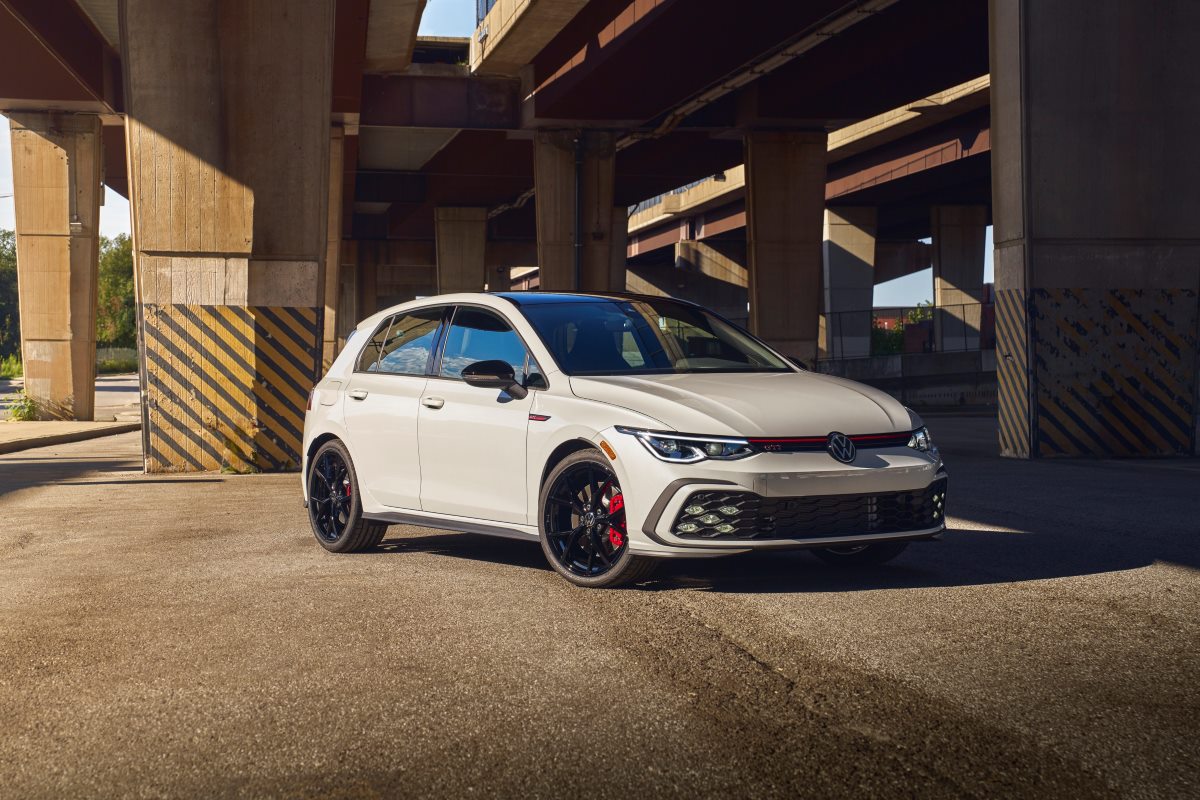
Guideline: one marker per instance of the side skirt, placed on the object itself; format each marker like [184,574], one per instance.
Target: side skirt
[457,524]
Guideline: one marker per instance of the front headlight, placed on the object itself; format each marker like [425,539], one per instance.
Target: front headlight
[688,449]
[921,440]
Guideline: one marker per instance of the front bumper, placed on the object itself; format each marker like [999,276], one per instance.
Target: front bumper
[782,500]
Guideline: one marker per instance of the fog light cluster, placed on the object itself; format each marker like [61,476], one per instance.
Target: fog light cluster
[702,519]
[938,499]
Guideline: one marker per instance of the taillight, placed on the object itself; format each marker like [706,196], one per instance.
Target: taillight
[310,398]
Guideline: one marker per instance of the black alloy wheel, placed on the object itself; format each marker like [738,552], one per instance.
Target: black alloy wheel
[583,525]
[330,494]
[334,507]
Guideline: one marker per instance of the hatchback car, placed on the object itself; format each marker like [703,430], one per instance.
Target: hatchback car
[615,430]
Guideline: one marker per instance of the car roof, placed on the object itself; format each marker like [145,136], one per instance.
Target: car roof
[534,298]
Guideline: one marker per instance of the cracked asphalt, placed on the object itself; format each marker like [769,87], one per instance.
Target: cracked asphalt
[185,636]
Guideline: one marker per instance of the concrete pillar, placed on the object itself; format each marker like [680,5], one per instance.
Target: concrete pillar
[1096,226]
[849,261]
[554,170]
[959,240]
[366,267]
[785,205]
[228,139]
[57,163]
[348,315]
[332,279]
[619,251]
[461,245]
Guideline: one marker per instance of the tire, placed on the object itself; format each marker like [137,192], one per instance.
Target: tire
[861,555]
[580,487]
[333,484]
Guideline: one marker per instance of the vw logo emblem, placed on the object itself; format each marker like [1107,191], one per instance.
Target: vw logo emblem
[840,447]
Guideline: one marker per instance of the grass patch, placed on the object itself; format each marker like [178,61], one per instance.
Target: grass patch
[23,409]
[117,366]
[10,366]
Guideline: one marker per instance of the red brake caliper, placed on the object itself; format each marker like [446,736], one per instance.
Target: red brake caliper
[616,532]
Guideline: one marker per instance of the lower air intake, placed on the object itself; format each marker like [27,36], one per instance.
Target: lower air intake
[745,515]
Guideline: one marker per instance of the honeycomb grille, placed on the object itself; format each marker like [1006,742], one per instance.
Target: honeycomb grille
[745,515]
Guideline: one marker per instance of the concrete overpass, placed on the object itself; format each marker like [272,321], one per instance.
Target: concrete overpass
[280,192]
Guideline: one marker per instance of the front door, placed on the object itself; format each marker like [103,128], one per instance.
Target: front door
[472,440]
[382,403]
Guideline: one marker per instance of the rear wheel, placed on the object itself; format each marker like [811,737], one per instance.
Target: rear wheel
[333,506]
[583,526]
[861,555]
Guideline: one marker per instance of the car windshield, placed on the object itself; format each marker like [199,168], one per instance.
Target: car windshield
[629,337]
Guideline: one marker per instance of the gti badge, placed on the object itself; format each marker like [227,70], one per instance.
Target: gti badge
[840,447]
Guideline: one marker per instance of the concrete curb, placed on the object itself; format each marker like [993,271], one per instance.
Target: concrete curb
[45,440]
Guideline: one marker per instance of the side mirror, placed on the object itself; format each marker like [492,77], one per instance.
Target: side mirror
[493,374]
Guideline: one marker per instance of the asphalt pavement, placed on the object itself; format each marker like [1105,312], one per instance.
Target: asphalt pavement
[186,636]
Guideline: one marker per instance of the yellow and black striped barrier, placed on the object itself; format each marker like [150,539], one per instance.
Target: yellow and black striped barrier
[227,385]
[1012,372]
[1113,371]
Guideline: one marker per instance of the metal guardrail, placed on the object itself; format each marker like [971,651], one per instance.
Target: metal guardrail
[864,333]
[658,198]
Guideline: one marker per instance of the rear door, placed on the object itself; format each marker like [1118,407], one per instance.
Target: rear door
[382,402]
[472,440]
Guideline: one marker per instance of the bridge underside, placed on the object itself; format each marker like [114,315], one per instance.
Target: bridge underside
[337,156]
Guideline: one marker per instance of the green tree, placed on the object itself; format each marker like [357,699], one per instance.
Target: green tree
[10,314]
[116,315]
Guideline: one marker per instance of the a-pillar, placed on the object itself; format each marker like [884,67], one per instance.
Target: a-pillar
[574,174]
[785,210]
[1097,226]
[56,189]
[959,244]
[228,120]
[849,257]
[461,247]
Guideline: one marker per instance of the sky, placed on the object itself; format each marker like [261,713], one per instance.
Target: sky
[448,18]
[441,18]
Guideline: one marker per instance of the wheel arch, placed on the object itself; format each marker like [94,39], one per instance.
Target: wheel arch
[316,444]
[564,449]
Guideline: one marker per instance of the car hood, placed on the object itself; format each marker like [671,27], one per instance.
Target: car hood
[752,404]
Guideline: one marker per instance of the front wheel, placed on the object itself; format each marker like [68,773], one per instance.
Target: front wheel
[334,508]
[861,555]
[582,524]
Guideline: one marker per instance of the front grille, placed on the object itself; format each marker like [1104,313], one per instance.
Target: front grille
[745,515]
[819,444]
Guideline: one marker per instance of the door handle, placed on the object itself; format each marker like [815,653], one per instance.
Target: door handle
[433,402]
[358,394]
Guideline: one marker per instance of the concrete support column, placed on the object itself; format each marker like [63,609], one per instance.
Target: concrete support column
[461,247]
[1096,226]
[849,260]
[332,279]
[959,241]
[562,202]
[57,163]
[348,314]
[619,251]
[228,137]
[785,205]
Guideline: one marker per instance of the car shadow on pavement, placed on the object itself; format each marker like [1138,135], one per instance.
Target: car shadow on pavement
[961,558]
[470,546]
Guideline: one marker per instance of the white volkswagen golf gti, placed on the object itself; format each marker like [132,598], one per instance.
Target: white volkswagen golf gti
[614,429]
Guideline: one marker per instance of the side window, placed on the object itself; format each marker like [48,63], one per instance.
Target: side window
[409,342]
[479,335]
[368,360]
